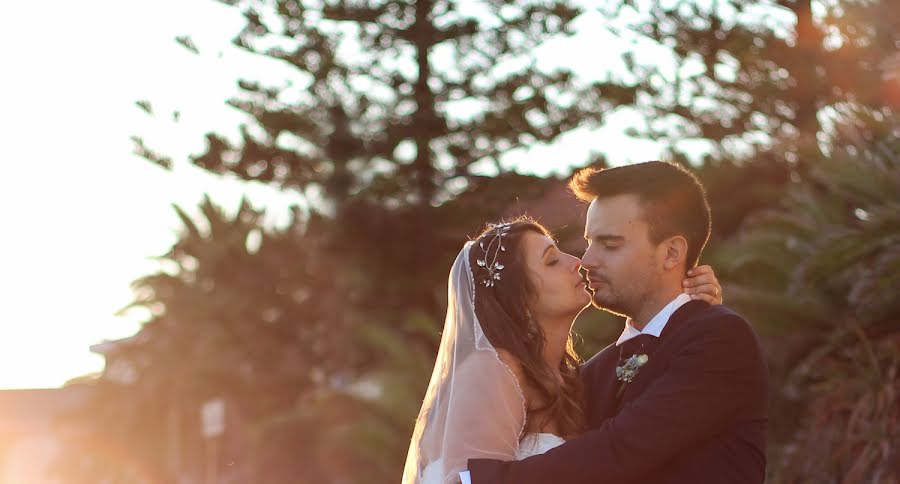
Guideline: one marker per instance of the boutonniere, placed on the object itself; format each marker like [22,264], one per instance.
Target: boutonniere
[628,370]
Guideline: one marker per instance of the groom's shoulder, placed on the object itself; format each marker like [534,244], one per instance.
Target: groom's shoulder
[709,312]
[719,320]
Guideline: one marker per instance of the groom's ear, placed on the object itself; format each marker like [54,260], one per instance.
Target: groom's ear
[676,252]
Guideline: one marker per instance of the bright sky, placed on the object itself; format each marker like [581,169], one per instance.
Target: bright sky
[81,214]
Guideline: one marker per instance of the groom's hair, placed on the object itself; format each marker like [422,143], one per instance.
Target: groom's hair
[672,197]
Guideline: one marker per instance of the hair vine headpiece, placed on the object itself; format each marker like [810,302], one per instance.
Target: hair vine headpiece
[495,245]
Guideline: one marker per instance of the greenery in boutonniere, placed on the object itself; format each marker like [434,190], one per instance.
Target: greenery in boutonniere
[628,370]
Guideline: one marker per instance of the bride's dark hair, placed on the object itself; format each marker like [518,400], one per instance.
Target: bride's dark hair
[502,310]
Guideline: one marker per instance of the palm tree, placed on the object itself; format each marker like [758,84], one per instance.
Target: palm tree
[361,426]
[237,313]
[820,275]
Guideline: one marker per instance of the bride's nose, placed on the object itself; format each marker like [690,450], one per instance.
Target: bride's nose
[575,263]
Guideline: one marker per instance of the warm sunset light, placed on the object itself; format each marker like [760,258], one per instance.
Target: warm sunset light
[84,213]
[450,242]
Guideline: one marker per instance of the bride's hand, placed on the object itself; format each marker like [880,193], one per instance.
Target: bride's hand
[702,284]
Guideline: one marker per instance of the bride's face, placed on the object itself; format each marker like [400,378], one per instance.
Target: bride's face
[560,292]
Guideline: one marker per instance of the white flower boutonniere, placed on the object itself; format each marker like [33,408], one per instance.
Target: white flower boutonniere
[628,370]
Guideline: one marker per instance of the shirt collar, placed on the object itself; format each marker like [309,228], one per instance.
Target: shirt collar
[656,325]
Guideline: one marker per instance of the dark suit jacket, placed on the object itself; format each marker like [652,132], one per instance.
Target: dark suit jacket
[696,412]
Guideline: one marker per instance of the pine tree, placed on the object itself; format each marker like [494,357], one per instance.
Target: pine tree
[744,74]
[400,101]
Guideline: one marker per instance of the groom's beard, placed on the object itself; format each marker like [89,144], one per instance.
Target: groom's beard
[608,305]
[607,299]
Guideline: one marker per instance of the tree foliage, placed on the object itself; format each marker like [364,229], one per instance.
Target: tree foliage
[744,73]
[822,272]
[320,334]
[399,100]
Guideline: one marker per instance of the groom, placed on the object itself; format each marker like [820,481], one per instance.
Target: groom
[681,397]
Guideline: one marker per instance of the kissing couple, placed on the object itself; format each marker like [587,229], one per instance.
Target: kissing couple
[680,397]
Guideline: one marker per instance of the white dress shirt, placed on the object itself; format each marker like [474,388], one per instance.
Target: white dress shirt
[656,325]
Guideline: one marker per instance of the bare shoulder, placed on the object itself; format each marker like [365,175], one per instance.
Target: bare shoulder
[514,365]
[487,372]
[485,362]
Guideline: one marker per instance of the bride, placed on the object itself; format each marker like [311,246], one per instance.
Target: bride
[505,383]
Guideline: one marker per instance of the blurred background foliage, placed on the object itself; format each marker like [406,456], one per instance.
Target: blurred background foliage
[320,336]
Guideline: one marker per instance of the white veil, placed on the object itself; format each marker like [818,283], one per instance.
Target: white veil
[474,407]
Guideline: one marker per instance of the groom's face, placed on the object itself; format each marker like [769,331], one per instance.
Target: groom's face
[619,260]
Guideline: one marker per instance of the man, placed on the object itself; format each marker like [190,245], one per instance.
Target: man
[681,397]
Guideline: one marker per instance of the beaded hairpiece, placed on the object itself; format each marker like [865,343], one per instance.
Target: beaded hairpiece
[495,245]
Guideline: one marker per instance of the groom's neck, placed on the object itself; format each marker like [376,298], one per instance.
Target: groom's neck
[654,304]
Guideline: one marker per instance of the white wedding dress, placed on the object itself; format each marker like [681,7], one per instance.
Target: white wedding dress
[538,443]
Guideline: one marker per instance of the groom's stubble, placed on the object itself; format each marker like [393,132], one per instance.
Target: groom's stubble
[621,259]
[612,300]
[646,224]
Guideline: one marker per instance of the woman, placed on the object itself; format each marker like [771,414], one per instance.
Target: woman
[505,384]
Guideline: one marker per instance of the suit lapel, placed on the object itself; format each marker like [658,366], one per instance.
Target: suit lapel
[658,352]
[645,373]
[602,388]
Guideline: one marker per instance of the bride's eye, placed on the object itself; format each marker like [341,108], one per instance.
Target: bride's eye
[553,262]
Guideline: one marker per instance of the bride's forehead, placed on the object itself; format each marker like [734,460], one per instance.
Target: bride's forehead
[536,243]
